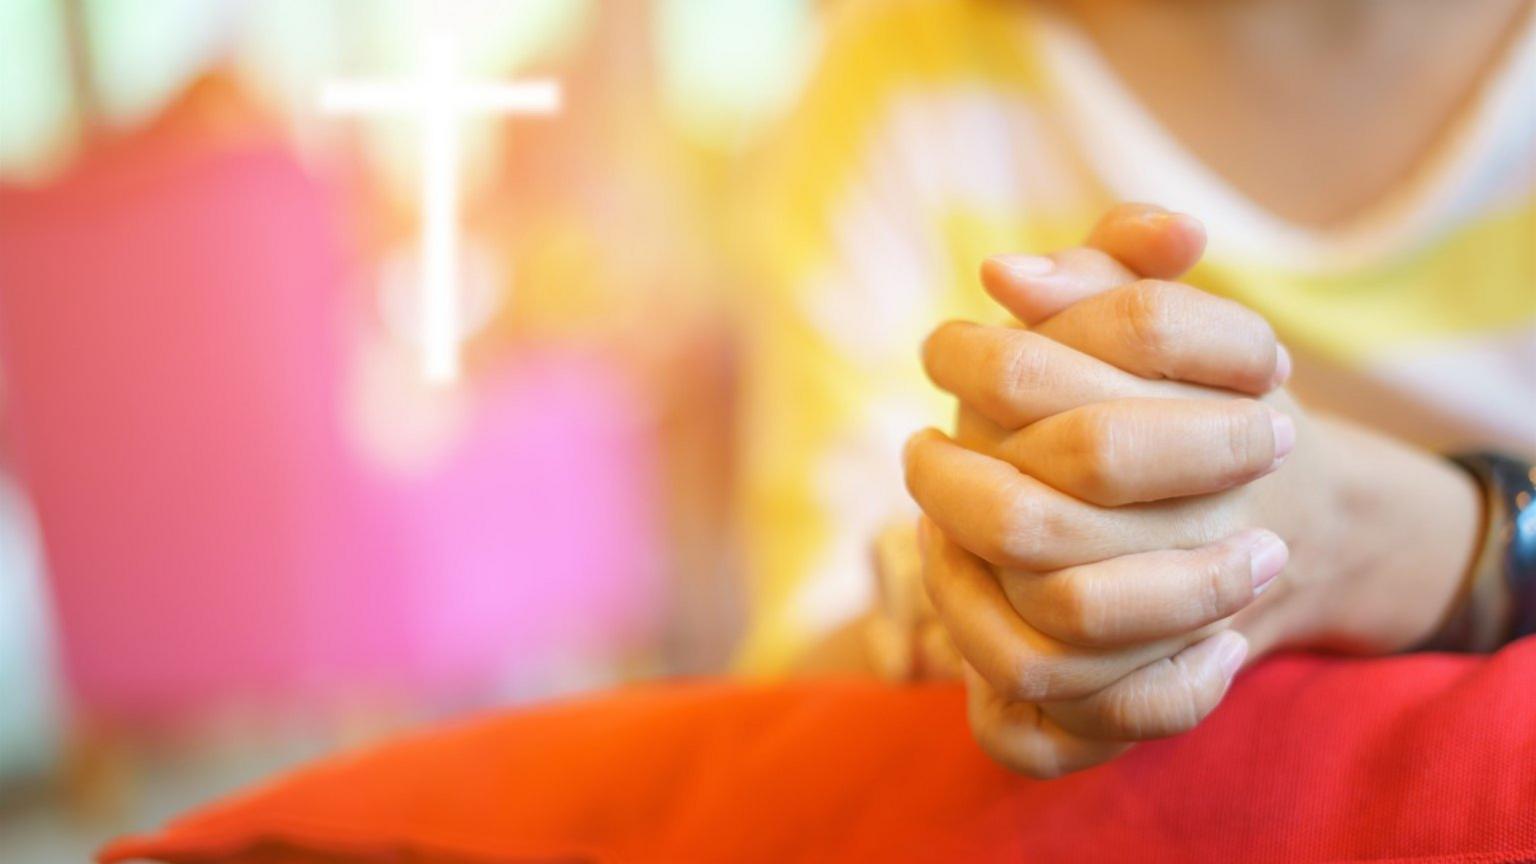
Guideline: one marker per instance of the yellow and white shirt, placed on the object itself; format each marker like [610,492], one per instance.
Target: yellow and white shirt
[936,132]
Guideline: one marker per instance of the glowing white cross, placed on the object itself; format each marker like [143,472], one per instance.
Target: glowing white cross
[440,98]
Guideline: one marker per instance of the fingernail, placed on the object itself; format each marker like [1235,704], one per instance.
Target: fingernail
[1025,265]
[1231,653]
[1266,558]
[1285,437]
[1282,366]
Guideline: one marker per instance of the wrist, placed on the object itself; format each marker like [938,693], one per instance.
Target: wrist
[1406,531]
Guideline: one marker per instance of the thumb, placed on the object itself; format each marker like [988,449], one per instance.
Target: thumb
[1152,242]
[1131,241]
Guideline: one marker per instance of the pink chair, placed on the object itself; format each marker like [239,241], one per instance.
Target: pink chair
[174,334]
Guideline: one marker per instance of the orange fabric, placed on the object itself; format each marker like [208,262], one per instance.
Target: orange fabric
[1429,758]
[692,772]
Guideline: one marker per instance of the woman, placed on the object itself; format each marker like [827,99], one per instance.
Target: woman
[1129,474]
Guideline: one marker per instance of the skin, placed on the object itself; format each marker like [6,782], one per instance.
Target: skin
[1103,536]
[1317,109]
[1105,530]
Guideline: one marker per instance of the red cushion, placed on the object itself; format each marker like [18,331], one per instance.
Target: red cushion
[1423,758]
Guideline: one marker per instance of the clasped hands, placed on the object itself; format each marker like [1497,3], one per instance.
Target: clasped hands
[1116,497]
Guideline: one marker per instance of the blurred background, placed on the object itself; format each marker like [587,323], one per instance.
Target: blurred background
[247,513]
[238,525]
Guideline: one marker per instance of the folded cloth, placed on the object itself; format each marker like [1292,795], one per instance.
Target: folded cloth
[1428,758]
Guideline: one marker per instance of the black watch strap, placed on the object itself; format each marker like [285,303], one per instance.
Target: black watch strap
[1503,577]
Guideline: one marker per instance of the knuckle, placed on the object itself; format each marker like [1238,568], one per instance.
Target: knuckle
[1232,586]
[1034,533]
[1154,704]
[1019,529]
[1047,672]
[1125,710]
[1029,679]
[1241,439]
[1059,536]
[1014,368]
[1150,308]
[1081,611]
[1217,591]
[1099,452]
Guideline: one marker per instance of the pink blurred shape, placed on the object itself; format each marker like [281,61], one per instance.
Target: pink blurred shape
[173,331]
